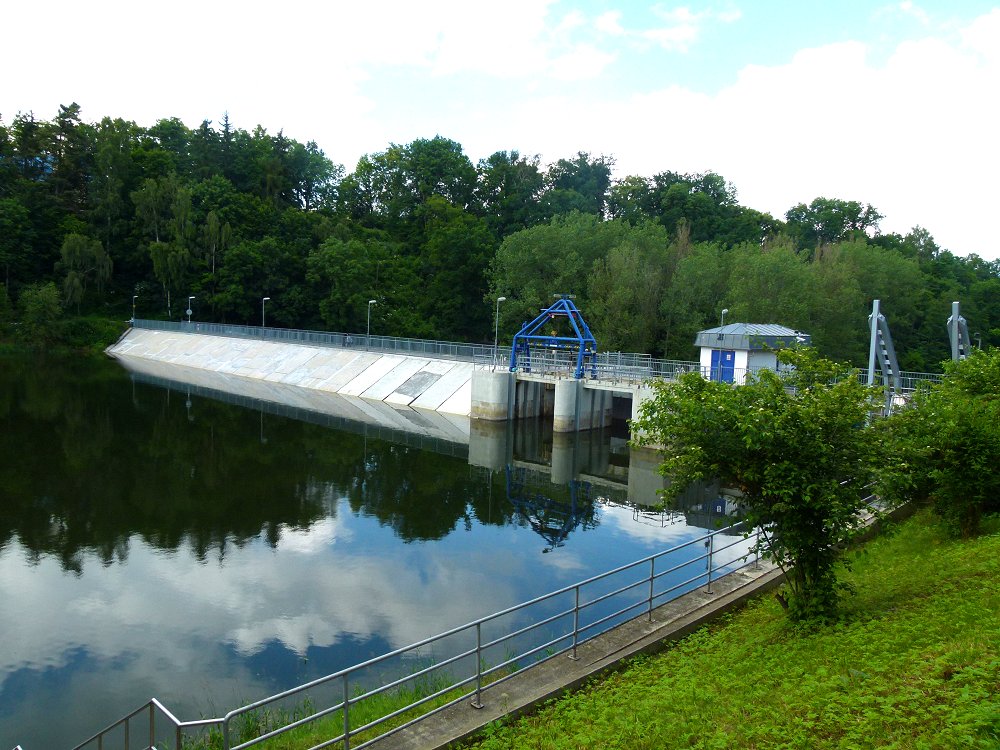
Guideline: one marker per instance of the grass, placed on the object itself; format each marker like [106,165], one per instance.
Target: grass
[256,723]
[914,663]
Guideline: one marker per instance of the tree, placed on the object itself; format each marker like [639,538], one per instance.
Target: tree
[508,190]
[72,157]
[314,178]
[694,299]
[16,235]
[6,310]
[770,285]
[946,445]
[827,220]
[453,259]
[577,184]
[41,309]
[547,259]
[84,259]
[627,287]
[794,444]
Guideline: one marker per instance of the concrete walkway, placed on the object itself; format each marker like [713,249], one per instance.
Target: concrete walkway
[531,687]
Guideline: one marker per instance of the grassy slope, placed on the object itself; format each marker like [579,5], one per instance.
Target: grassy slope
[915,663]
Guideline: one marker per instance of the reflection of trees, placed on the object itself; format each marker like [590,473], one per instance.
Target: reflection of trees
[87,467]
[419,494]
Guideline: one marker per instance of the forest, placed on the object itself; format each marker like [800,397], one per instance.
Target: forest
[93,214]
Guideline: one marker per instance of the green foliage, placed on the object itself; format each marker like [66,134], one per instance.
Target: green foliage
[795,444]
[946,445]
[6,309]
[827,220]
[159,201]
[914,664]
[84,260]
[41,308]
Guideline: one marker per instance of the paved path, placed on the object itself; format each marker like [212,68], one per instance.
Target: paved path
[533,686]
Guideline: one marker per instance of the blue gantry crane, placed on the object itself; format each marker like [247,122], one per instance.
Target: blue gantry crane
[533,338]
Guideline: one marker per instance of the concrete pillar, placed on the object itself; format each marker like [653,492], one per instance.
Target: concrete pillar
[640,395]
[490,444]
[490,392]
[644,477]
[565,406]
[564,457]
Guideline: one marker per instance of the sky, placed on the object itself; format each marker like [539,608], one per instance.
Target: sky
[894,104]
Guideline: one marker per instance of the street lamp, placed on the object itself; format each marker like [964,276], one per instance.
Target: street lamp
[189,308]
[368,333]
[496,330]
[134,298]
[262,311]
[723,321]
[979,339]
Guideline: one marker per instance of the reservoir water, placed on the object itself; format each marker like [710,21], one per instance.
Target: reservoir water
[160,540]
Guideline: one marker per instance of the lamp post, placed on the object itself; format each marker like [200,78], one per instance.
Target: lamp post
[262,302]
[134,298]
[368,332]
[979,340]
[496,330]
[723,321]
[189,308]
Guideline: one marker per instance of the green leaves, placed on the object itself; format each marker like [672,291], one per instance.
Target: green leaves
[795,444]
[948,445]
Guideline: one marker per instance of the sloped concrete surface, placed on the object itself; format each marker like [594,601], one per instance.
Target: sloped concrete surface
[398,380]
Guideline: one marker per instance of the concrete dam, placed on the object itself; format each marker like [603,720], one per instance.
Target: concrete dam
[375,384]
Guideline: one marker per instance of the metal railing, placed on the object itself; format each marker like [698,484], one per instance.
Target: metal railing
[121,733]
[460,663]
[618,367]
[393,344]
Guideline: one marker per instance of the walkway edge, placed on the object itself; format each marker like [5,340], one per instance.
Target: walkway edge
[527,690]
[558,675]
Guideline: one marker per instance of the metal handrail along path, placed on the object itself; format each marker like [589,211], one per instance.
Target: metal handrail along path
[619,367]
[489,651]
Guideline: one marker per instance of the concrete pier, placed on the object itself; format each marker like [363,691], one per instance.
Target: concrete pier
[491,395]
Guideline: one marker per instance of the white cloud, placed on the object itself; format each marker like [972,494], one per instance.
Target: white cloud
[907,128]
[684,26]
[912,134]
[610,23]
[910,9]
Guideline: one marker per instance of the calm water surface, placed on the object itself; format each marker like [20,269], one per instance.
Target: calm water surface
[159,542]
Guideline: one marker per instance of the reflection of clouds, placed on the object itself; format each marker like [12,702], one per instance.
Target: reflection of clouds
[563,560]
[175,613]
[312,540]
[661,537]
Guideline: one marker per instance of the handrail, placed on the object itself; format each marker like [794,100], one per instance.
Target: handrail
[555,640]
[632,367]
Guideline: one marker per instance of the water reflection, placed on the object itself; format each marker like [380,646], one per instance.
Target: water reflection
[160,540]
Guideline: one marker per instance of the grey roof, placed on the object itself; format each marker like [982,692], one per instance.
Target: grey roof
[750,336]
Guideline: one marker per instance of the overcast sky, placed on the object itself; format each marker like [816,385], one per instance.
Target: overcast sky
[891,104]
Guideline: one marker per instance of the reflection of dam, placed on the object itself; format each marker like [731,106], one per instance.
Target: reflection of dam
[565,474]
[435,431]
[554,478]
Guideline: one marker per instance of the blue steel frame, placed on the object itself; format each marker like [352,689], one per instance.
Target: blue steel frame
[584,341]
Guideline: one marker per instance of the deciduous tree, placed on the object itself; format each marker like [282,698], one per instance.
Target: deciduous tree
[797,448]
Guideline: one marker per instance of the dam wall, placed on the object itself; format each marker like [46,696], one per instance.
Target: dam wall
[396,380]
